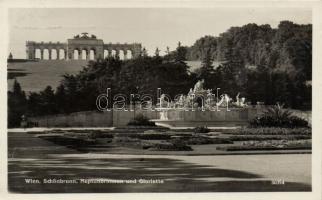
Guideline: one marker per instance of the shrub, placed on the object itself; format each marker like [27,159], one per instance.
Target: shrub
[140,120]
[201,129]
[174,145]
[150,136]
[297,122]
[204,140]
[278,117]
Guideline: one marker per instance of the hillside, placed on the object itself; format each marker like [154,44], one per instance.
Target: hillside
[35,76]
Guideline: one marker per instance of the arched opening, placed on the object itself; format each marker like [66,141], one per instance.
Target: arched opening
[38,54]
[62,54]
[76,54]
[84,54]
[92,54]
[129,54]
[121,54]
[54,54]
[105,53]
[46,54]
[113,54]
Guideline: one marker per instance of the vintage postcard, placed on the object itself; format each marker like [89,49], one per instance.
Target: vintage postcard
[198,101]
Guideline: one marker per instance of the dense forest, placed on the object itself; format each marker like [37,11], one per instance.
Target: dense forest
[263,64]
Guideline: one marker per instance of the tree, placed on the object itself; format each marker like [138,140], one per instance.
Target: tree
[17,105]
[167,51]
[207,72]
[181,53]
[157,52]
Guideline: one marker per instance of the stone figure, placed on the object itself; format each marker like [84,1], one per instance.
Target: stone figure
[162,97]
[237,97]
[209,92]
[163,102]
[240,102]
[209,98]
[198,86]
[181,100]
[225,99]
[84,35]
[190,92]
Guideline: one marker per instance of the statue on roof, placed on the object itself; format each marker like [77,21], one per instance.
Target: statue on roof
[84,35]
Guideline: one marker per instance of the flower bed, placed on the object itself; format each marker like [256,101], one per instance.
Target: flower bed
[270,131]
[169,146]
[269,145]
[268,137]
[205,140]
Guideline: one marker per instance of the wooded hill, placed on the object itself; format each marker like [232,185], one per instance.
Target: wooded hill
[287,47]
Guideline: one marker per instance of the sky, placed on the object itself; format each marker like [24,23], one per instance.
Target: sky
[152,27]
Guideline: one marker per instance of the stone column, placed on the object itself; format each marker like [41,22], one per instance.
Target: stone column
[98,55]
[57,53]
[79,54]
[88,55]
[125,54]
[49,54]
[65,54]
[34,54]
[41,54]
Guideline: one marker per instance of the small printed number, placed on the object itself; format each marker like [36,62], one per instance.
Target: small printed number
[278,182]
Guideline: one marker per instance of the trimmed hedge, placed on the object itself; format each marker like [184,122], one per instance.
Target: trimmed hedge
[174,145]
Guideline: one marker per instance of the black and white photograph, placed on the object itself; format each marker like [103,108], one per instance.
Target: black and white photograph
[159,100]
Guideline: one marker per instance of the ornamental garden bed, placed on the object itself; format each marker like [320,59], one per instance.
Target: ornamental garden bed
[269,145]
[269,131]
[268,137]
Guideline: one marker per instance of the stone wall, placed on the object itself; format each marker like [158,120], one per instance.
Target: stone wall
[91,119]
[175,118]
[222,115]
[78,119]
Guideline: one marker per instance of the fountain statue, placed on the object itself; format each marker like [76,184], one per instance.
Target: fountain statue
[198,86]
[240,102]
[199,99]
